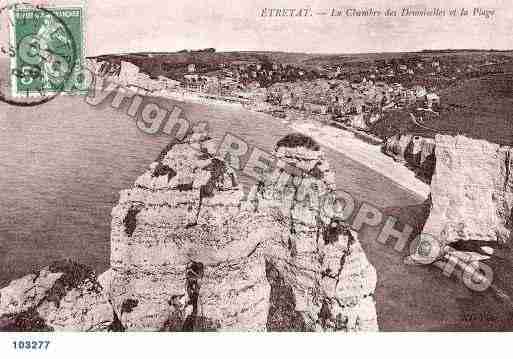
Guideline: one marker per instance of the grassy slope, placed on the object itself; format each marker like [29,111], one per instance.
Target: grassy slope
[479,108]
[309,59]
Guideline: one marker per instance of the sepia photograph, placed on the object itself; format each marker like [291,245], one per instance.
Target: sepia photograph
[254,166]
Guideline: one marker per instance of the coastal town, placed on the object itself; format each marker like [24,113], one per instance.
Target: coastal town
[385,102]
[357,95]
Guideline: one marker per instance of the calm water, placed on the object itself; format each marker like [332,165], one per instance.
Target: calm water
[63,164]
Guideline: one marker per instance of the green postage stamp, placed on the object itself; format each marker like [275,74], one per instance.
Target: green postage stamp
[49,50]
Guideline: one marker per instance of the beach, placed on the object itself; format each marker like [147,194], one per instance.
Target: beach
[360,151]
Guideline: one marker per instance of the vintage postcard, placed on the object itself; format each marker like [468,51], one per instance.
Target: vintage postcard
[255,166]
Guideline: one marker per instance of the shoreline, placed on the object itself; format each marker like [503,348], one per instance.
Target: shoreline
[197,99]
[347,143]
[359,150]
[342,141]
[364,153]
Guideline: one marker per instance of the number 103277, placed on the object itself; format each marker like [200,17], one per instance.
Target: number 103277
[31,344]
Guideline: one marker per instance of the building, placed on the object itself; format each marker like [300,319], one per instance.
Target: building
[144,82]
[420,91]
[128,73]
[432,99]
[168,83]
[191,77]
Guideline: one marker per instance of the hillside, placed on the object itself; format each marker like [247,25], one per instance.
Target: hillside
[174,64]
[303,59]
[480,108]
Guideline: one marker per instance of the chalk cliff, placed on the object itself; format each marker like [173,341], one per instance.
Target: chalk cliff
[184,254]
[416,152]
[472,208]
[471,191]
[315,256]
[190,251]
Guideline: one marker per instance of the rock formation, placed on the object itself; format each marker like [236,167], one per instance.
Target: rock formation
[62,296]
[471,191]
[418,153]
[189,251]
[317,257]
[185,255]
[472,202]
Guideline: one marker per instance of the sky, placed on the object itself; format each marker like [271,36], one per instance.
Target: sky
[170,25]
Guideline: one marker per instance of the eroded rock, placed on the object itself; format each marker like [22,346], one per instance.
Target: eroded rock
[62,296]
[316,258]
[471,216]
[189,256]
[418,153]
[189,252]
[471,191]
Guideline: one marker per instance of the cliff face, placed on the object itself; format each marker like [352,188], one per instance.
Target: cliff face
[471,191]
[185,255]
[471,214]
[188,253]
[418,153]
[317,258]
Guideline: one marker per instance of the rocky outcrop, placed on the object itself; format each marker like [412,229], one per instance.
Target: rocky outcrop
[471,191]
[185,255]
[416,152]
[472,200]
[62,296]
[190,252]
[316,260]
